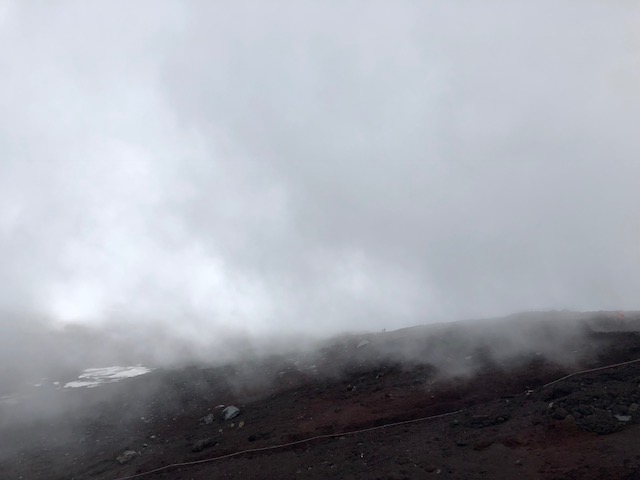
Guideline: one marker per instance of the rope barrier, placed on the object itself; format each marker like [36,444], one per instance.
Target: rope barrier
[344,434]
[283,445]
[589,371]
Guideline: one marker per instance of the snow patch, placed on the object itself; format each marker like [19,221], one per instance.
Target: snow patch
[92,377]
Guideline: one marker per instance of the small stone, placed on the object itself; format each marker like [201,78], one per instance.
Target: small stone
[207,419]
[203,444]
[126,456]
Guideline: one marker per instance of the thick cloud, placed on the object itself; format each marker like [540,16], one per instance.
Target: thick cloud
[317,166]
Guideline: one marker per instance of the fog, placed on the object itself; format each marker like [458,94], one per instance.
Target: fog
[206,169]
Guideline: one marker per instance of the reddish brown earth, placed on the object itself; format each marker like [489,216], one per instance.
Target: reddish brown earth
[509,424]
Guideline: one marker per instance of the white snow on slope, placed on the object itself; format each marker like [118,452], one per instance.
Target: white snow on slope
[92,377]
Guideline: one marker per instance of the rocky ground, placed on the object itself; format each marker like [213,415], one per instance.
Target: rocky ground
[364,397]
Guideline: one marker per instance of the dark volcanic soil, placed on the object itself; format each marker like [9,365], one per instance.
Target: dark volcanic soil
[508,425]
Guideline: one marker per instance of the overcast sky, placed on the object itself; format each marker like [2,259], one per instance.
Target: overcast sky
[317,165]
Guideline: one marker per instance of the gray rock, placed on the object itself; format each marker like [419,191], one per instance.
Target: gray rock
[230,412]
[126,456]
[623,418]
[203,444]
[207,419]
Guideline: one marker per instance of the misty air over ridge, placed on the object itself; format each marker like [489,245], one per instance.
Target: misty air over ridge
[313,168]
